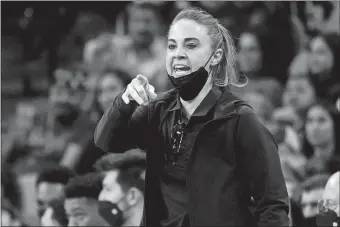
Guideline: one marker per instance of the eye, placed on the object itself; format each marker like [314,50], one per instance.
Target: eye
[171,46]
[191,46]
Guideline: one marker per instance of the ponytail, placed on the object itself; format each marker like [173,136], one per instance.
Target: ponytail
[225,73]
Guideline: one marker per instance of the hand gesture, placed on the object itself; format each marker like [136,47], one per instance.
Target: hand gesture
[139,90]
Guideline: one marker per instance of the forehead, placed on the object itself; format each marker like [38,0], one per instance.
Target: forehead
[110,178]
[50,190]
[184,29]
[318,111]
[77,203]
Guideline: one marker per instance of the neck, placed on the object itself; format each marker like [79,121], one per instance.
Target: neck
[134,218]
[190,106]
[324,150]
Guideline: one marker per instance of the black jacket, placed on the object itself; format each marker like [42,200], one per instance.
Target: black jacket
[234,174]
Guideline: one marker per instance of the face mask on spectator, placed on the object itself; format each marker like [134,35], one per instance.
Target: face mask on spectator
[111,212]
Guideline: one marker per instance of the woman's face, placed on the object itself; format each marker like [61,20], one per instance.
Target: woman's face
[189,48]
[109,87]
[299,93]
[250,55]
[321,57]
[319,126]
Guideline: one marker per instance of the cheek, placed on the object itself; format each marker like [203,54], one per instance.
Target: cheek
[308,130]
[168,62]
[327,129]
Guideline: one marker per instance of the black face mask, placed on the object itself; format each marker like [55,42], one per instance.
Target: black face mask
[111,213]
[190,85]
[328,218]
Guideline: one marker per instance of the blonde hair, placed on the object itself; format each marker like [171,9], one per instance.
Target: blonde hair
[225,72]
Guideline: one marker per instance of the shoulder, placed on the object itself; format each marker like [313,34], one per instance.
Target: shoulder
[243,108]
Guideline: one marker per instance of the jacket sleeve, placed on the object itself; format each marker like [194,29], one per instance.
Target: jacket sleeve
[261,172]
[122,126]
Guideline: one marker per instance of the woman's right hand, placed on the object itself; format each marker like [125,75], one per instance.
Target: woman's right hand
[139,90]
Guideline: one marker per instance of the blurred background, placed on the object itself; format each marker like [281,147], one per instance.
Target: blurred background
[63,63]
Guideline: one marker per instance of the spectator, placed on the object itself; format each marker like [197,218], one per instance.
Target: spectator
[110,85]
[122,198]
[9,217]
[50,185]
[261,105]
[46,142]
[81,200]
[299,94]
[81,153]
[256,62]
[54,214]
[11,199]
[324,53]
[9,188]
[311,191]
[329,206]
[98,52]
[321,146]
[317,14]
[143,50]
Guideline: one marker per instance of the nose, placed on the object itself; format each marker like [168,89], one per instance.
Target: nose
[179,54]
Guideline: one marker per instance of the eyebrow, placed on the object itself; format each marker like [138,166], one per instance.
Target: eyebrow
[186,39]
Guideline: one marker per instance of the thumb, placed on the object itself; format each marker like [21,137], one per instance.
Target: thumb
[142,79]
[151,91]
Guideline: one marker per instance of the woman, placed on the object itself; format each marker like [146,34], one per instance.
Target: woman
[210,160]
[324,53]
[321,146]
[81,152]
[255,59]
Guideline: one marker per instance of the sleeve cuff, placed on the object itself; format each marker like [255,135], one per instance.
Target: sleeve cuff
[124,108]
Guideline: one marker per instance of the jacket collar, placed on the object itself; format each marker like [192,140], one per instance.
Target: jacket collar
[225,103]
[207,103]
[224,98]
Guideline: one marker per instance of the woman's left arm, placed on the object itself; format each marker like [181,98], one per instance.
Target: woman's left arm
[259,162]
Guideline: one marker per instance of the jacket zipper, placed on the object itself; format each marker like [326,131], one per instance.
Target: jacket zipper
[189,159]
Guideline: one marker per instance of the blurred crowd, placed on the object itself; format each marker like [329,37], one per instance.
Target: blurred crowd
[53,174]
